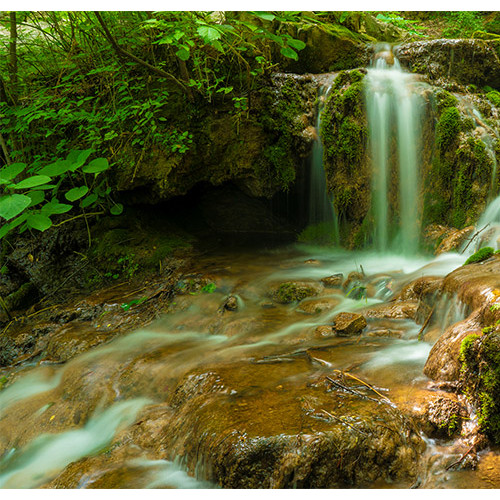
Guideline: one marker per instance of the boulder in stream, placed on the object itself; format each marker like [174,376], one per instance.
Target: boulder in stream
[348,324]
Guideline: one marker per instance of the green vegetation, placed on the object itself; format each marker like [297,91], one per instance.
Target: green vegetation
[494,97]
[447,128]
[482,254]
[322,233]
[292,292]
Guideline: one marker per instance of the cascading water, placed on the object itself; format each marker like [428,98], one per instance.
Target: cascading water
[321,212]
[393,115]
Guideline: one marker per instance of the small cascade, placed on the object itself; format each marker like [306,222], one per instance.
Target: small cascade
[393,117]
[489,225]
[322,215]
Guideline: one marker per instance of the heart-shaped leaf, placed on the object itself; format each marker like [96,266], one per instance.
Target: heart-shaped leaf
[96,166]
[35,180]
[76,193]
[8,173]
[39,221]
[13,204]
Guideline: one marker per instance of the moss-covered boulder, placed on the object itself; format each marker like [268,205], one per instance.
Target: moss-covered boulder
[293,291]
[480,356]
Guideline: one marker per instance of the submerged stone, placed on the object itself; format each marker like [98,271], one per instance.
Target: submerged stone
[348,324]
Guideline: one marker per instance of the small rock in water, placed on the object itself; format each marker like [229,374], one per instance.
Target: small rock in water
[353,278]
[386,333]
[347,324]
[335,280]
[324,331]
[317,306]
[445,415]
[312,262]
[231,303]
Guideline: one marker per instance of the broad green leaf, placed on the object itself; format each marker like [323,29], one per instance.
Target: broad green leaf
[35,180]
[296,44]
[76,193]
[54,207]
[209,34]
[81,159]
[117,209]
[290,53]
[36,197]
[4,230]
[267,16]
[96,166]
[182,54]
[13,204]
[45,187]
[39,221]
[89,200]
[8,173]
[57,168]
[18,220]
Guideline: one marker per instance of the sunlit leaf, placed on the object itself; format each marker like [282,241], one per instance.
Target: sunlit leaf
[35,180]
[13,204]
[76,193]
[39,221]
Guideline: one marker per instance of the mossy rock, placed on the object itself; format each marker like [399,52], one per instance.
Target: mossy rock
[482,254]
[293,291]
[480,357]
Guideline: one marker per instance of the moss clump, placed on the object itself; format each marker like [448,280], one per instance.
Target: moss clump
[291,292]
[445,100]
[494,98]
[322,233]
[466,348]
[482,254]
[448,127]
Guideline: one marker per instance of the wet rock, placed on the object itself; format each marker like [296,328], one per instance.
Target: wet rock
[230,304]
[324,331]
[444,362]
[348,324]
[454,240]
[354,278]
[466,61]
[395,310]
[420,288]
[333,281]
[291,291]
[317,306]
[397,334]
[444,414]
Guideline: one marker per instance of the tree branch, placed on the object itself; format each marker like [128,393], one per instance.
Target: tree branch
[123,53]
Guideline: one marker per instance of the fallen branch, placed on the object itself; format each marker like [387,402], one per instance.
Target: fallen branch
[460,460]
[342,421]
[365,384]
[470,241]
[352,391]
[426,322]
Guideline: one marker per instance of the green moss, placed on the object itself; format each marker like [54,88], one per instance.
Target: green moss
[494,98]
[448,128]
[466,348]
[482,254]
[445,100]
[291,292]
[350,142]
[322,233]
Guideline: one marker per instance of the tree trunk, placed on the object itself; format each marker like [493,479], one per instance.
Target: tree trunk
[13,57]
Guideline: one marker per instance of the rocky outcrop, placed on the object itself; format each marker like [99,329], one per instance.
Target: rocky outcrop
[467,61]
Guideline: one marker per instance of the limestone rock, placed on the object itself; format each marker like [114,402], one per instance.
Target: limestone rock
[333,281]
[317,306]
[349,324]
[397,310]
[454,240]
[445,416]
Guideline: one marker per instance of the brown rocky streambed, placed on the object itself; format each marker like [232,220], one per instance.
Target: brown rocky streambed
[237,384]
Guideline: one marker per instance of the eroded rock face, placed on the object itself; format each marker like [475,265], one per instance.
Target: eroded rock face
[455,240]
[466,61]
[398,310]
[348,324]
[445,416]
[444,362]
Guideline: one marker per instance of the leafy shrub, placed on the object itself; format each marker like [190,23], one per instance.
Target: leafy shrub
[482,254]
[462,24]
[31,202]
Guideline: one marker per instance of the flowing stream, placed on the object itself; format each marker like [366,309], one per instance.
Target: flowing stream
[114,385]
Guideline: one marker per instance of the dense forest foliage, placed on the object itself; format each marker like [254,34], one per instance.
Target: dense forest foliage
[81,92]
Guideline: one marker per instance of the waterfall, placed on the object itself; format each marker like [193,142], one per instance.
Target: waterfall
[322,215]
[393,117]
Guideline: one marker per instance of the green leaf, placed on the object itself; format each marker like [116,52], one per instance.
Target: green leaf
[13,204]
[8,173]
[35,180]
[296,44]
[54,207]
[290,53]
[209,34]
[89,200]
[39,221]
[76,193]
[96,166]
[57,168]
[117,209]
[182,54]
[267,16]
[81,158]
[36,197]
